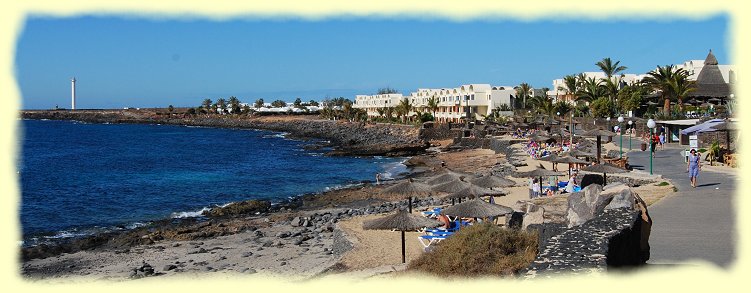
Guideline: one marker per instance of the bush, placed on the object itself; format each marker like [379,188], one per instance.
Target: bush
[602,107]
[481,249]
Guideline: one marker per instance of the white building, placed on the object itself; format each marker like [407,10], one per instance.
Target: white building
[453,103]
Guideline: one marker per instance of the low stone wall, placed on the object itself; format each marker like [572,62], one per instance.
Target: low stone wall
[610,240]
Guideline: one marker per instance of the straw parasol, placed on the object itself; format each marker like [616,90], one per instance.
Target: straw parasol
[445,177]
[477,208]
[569,160]
[578,153]
[539,172]
[604,168]
[474,191]
[401,221]
[599,133]
[490,181]
[408,188]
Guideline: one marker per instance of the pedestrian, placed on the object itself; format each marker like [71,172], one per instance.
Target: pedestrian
[378,178]
[535,188]
[693,166]
[662,140]
[655,140]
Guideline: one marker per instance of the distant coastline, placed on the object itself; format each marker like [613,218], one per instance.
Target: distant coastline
[345,138]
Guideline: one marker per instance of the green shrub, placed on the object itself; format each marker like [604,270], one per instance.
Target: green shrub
[481,249]
[663,183]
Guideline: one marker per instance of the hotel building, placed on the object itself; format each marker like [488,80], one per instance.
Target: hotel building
[453,103]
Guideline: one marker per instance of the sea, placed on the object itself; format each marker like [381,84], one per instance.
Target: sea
[79,178]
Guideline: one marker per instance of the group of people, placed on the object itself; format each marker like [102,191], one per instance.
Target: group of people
[536,189]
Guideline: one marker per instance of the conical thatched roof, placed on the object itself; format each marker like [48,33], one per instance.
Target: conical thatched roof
[452,186]
[598,132]
[408,188]
[475,192]
[539,172]
[710,83]
[579,153]
[401,221]
[491,181]
[445,177]
[550,158]
[604,168]
[569,160]
[477,208]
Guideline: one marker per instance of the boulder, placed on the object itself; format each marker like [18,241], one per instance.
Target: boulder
[296,222]
[534,215]
[589,179]
[622,196]
[587,204]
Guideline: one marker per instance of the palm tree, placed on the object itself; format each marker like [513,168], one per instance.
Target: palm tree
[433,105]
[666,80]
[590,89]
[206,104]
[523,91]
[609,68]
[403,108]
[611,89]
[571,86]
[681,87]
[234,105]
[221,103]
[258,104]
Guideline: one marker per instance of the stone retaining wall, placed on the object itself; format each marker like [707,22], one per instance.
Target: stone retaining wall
[610,240]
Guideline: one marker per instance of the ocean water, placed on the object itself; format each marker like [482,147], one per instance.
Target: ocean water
[79,178]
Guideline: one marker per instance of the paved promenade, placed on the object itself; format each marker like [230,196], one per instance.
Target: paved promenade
[694,224]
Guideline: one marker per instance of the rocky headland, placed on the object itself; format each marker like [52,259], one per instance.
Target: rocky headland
[343,137]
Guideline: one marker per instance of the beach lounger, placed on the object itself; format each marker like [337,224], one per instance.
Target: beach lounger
[428,240]
[432,213]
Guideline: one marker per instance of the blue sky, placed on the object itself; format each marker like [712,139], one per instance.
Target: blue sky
[145,62]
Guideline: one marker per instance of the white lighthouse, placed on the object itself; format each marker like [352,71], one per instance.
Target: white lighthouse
[73,94]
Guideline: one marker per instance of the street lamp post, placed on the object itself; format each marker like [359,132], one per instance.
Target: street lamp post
[571,138]
[651,124]
[630,133]
[620,120]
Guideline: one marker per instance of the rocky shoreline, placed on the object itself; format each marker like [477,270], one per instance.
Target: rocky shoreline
[344,138]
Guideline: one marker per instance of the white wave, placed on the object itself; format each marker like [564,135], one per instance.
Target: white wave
[195,214]
[68,234]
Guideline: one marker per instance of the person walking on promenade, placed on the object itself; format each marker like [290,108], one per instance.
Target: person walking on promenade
[655,140]
[693,167]
[662,141]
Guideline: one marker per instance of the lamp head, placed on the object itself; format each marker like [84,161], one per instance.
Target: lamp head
[608,119]
[630,122]
[620,119]
[651,123]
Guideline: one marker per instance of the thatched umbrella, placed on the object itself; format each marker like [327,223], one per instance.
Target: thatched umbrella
[401,221]
[477,208]
[539,172]
[579,153]
[604,168]
[474,191]
[569,160]
[453,186]
[445,177]
[409,188]
[490,181]
[599,133]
